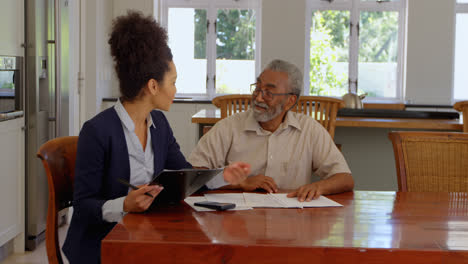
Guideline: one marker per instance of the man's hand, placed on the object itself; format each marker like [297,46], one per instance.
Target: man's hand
[307,192]
[236,172]
[137,201]
[337,183]
[259,181]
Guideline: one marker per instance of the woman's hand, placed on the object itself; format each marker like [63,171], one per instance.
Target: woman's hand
[236,172]
[137,201]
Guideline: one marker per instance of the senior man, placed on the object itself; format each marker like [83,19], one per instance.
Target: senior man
[284,148]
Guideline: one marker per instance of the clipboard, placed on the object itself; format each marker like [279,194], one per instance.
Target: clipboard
[179,184]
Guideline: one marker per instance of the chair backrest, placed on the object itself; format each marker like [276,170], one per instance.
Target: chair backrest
[323,109]
[233,103]
[462,107]
[58,157]
[431,161]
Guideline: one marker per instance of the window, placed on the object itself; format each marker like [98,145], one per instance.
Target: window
[214,44]
[355,46]
[460,83]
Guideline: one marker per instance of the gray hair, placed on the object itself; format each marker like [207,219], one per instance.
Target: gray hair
[295,79]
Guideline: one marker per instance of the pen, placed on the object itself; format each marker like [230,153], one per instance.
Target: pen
[124,182]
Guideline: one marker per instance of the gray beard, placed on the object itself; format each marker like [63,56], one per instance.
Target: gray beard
[269,114]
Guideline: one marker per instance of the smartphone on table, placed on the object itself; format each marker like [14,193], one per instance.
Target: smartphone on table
[216,205]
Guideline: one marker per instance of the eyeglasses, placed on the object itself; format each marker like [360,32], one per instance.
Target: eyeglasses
[266,95]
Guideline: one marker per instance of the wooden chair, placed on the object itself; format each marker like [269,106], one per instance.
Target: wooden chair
[431,161]
[462,107]
[233,103]
[323,109]
[58,157]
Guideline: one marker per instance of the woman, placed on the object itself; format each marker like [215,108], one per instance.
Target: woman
[129,141]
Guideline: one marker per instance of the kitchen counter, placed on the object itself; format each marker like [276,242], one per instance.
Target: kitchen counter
[208,117]
[11,115]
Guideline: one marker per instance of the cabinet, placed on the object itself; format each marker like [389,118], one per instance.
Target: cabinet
[11,27]
[12,194]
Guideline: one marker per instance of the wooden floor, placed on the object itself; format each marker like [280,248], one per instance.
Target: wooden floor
[39,255]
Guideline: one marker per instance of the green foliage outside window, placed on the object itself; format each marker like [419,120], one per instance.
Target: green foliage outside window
[8,86]
[327,38]
[378,31]
[235,34]
[329,48]
[200,34]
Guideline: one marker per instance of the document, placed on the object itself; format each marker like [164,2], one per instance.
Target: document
[322,201]
[236,198]
[267,201]
[245,201]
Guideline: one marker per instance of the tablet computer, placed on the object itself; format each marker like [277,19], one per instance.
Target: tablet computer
[179,184]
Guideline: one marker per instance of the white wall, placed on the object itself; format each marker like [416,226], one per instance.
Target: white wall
[430,49]
[283,28]
[99,76]
[147,7]
[98,71]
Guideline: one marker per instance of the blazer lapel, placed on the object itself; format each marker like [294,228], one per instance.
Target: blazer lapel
[154,130]
[119,148]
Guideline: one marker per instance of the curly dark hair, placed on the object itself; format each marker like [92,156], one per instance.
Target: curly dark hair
[140,51]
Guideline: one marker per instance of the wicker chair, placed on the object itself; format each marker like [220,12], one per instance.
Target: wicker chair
[58,157]
[463,107]
[309,105]
[431,161]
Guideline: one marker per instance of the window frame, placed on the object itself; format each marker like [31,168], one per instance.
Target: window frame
[355,7]
[211,6]
[460,8]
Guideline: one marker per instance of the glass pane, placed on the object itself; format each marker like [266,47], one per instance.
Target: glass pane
[378,52]
[235,50]
[187,39]
[461,58]
[329,53]
[7,81]
[381,1]
[333,2]
[462,1]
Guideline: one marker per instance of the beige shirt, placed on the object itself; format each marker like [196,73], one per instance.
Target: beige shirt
[299,147]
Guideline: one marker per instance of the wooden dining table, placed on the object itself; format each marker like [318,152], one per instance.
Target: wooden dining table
[370,227]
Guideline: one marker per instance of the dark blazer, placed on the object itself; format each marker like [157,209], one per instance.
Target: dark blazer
[102,158]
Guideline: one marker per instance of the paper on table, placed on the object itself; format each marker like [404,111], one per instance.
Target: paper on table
[236,198]
[319,202]
[288,202]
[263,200]
[245,201]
